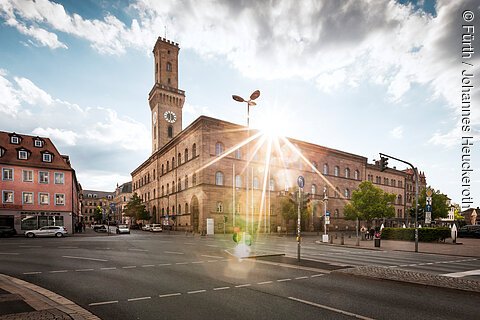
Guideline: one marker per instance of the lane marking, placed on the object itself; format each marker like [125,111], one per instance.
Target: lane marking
[102,303]
[111,268]
[283,280]
[148,265]
[129,267]
[212,261]
[299,278]
[34,272]
[462,274]
[169,295]
[138,299]
[10,253]
[221,288]
[59,271]
[264,282]
[141,250]
[331,309]
[173,252]
[182,263]
[84,258]
[198,262]
[214,257]
[81,270]
[317,275]
[164,264]
[190,243]
[196,291]
[243,285]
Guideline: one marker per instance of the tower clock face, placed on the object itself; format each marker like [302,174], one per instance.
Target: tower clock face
[170,116]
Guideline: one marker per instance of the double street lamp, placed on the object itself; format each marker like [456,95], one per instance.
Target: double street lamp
[249,103]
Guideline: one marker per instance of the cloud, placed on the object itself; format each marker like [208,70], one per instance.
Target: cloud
[397,132]
[66,137]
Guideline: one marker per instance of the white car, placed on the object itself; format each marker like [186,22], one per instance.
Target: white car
[146,227]
[47,231]
[123,228]
[156,228]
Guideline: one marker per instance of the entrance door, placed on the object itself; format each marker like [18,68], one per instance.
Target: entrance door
[7,221]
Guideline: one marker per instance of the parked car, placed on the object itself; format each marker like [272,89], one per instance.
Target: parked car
[123,228]
[469,231]
[47,231]
[100,228]
[7,231]
[156,228]
[146,227]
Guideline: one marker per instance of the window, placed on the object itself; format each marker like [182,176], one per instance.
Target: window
[238,154]
[43,177]
[173,162]
[163,191]
[163,169]
[2,152]
[337,192]
[194,150]
[272,185]
[43,198]
[219,178]
[186,181]
[347,173]
[347,193]
[185,155]
[399,199]
[179,211]
[14,140]
[7,196]
[356,175]
[179,159]
[169,66]
[314,189]
[238,181]
[7,174]
[218,148]
[170,131]
[27,175]
[173,187]
[179,184]
[255,183]
[168,166]
[47,157]
[59,199]
[325,169]
[400,184]
[168,188]
[219,206]
[336,213]
[336,171]
[59,178]
[38,143]
[186,207]
[23,154]
[194,179]
[314,166]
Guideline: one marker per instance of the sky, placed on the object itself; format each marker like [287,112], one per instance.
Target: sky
[360,76]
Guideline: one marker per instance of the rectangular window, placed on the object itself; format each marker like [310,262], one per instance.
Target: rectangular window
[47,157]
[43,198]
[43,177]
[27,198]
[59,199]
[59,178]
[14,140]
[38,143]
[27,176]
[7,196]
[7,174]
[22,155]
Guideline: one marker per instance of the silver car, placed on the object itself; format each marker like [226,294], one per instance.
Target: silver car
[47,231]
[123,228]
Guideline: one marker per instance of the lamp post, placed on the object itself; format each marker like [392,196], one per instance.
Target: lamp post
[249,103]
[325,201]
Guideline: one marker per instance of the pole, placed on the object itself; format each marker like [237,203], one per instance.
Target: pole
[247,174]
[233,196]
[416,209]
[252,207]
[298,224]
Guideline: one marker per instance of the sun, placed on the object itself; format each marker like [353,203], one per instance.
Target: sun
[272,124]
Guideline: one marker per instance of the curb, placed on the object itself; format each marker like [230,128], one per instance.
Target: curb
[43,299]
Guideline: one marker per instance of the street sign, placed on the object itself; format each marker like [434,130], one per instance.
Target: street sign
[327,220]
[301,182]
[428,217]
[327,213]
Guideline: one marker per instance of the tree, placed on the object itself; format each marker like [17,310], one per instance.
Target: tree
[289,208]
[439,203]
[98,214]
[136,210]
[369,202]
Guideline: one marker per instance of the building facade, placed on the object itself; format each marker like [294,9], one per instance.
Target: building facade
[123,194]
[38,185]
[91,199]
[210,171]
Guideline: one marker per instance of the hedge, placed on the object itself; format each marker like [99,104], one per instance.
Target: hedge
[424,234]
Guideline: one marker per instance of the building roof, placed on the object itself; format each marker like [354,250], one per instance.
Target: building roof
[125,188]
[9,152]
[97,194]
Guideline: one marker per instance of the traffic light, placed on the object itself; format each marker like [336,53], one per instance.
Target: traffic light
[383,163]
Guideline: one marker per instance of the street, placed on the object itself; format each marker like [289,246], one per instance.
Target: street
[150,276]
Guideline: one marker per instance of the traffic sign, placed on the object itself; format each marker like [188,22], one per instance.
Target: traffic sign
[327,213]
[301,182]
[428,217]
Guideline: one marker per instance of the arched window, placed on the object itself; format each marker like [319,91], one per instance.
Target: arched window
[272,185]
[356,175]
[186,155]
[219,178]
[194,150]
[336,171]
[238,154]
[399,199]
[169,66]
[238,181]
[168,166]
[173,186]
[170,132]
[186,207]
[163,212]
[314,189]
[255,183]
[162,168]
[314,165]
[168,189]
[194,179]
[163,191]
[186,181]
[219,206]
[347,173]
[347,193]
[337,213]
[179,185]
[154,174]
[218,148]
[173,162]
[179,159]
[325,169]
[179,211]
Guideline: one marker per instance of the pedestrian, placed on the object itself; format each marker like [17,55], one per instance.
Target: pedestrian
[372,232]
[83,226]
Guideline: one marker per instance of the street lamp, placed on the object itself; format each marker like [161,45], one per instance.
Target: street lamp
[249,103]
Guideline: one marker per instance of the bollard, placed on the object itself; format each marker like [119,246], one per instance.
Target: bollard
[357,243]
[342,239]
[331,240]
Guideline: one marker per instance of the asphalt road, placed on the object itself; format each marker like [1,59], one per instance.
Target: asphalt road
[161,276]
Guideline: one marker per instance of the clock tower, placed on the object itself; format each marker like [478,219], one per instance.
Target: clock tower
[165,99]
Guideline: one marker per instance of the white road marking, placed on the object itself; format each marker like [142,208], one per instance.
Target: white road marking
[317,275]
[10,253]
[34,272]
[221,288]
[141,250]
[463,274]
[81,270]
[331,309]
[102,303]
[137,299]
[59,271]
[264,282]
[243,285]
[164,264]
[190,243]
[299,278]
[173,252]
[214,257]
[169,295]
[182,263]
[129,267]
[198,262]
[148,265]
[196,291]
[283,280]
[111,268]
[84,258]
[212,261]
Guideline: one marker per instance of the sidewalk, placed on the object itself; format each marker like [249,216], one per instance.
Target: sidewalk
[21,300]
